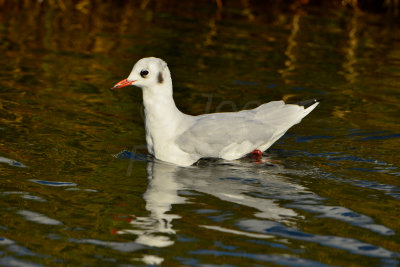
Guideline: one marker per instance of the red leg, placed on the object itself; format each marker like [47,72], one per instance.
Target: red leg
[256,154]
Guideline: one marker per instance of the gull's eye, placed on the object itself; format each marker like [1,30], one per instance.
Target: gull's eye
[144,73]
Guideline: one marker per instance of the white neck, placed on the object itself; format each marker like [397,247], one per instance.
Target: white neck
[159,107]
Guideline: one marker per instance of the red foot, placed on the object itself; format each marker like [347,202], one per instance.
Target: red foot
[257,155]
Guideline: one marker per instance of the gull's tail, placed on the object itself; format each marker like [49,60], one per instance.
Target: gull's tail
[308,103]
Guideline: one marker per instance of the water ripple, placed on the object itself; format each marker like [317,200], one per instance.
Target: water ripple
[120,246]
[53,183]
[16,249]
[352,245]
[11,261]
[345,215]
[24,195]
[380,137]
[38,218]
[282,259]
[12,162]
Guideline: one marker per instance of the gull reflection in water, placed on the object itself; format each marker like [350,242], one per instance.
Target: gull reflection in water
[244,183]
[264,188]
[162,192]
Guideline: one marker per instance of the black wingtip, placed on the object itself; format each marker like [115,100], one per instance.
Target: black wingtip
[307,103]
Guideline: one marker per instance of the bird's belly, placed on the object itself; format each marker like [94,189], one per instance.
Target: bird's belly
[149,142]
[170,152]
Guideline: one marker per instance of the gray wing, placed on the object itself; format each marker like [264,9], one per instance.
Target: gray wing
[232,135]
[212,134]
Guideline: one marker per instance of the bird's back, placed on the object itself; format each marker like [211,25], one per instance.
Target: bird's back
[231,135]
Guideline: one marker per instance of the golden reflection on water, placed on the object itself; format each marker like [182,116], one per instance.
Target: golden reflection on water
[350,72]
[290,52]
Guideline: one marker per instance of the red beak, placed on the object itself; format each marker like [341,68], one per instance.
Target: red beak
[122,83]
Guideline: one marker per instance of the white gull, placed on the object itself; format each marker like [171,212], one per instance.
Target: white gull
[182,139]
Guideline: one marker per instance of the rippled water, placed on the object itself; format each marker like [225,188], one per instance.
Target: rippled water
[78,188]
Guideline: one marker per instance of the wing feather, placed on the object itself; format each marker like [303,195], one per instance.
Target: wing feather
[232,135]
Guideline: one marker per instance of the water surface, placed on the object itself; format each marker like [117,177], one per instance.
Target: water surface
[77,185]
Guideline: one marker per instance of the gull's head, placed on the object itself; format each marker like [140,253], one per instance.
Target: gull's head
[147,72]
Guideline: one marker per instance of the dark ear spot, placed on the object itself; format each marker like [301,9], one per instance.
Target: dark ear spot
[160,77]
